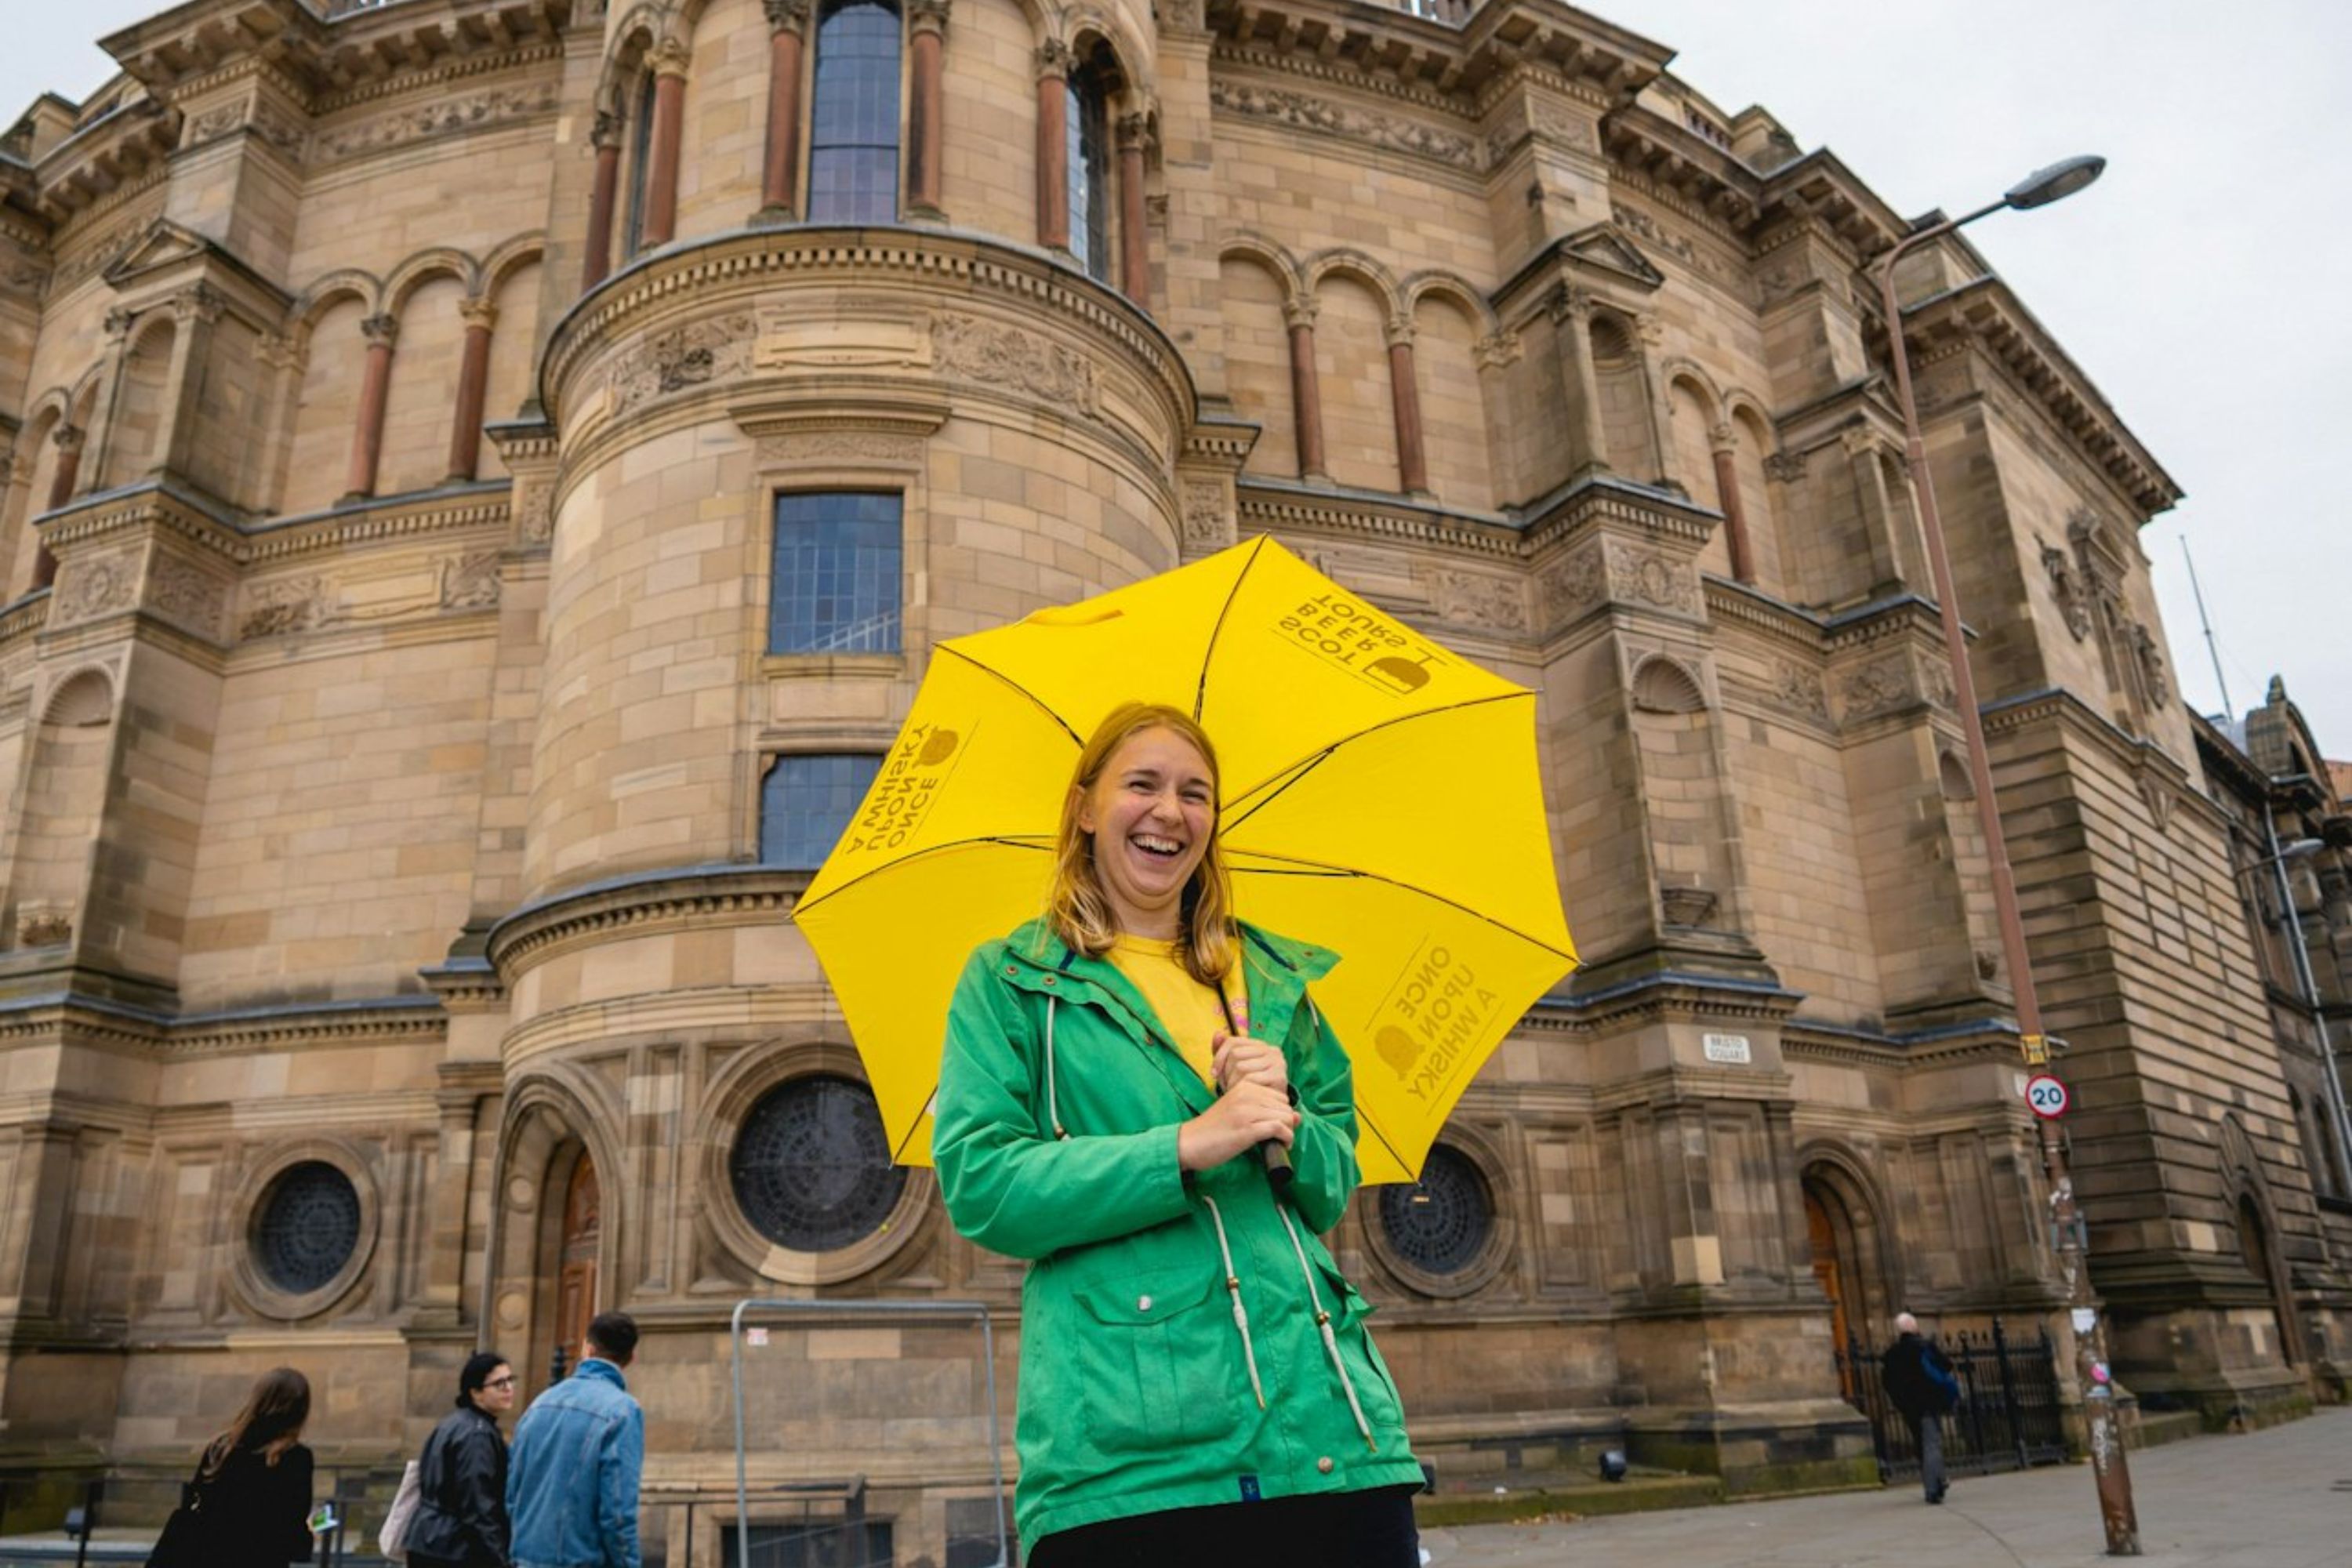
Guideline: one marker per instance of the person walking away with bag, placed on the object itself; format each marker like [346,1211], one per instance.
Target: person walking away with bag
[579,1451]
[1197,1385]
[461,1478]
[1918,1379]
[249,1504]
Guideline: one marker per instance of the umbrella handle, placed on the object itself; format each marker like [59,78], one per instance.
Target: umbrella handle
[1270,1154]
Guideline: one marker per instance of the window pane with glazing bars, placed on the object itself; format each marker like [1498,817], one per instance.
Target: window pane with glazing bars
[853,120]
[836,583]
[807,801]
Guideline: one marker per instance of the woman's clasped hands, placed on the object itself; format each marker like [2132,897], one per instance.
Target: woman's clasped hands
[1252,1105]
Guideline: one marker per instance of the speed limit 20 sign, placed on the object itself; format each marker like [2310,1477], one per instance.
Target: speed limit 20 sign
[2045,1096]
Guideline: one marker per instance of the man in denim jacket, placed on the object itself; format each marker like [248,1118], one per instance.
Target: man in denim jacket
[571,1481]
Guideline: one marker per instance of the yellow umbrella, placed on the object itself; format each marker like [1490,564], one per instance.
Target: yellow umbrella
[1380,798]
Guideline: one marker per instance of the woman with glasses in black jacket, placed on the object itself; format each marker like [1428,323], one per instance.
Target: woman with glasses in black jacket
[461,1479]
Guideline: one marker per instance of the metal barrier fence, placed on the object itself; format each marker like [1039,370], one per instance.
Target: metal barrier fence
[873,1430]
[2010,1416]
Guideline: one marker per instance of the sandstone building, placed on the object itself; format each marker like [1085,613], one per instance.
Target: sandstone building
[484,476]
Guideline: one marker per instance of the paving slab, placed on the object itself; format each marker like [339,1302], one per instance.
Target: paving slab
[2275,1499]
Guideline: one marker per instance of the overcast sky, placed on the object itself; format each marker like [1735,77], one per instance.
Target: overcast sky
[2205,284]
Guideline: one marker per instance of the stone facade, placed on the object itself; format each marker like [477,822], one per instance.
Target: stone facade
[397,394]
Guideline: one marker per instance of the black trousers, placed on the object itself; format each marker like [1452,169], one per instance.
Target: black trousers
[1333,1530]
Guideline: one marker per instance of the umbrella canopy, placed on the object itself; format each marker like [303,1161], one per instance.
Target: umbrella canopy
[1379,798]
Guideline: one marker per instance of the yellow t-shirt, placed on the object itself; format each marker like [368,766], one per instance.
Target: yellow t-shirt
[1190,1011]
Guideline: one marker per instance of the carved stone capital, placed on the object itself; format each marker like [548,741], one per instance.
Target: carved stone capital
[70,437]
[1571,304]
[1719,438]
[607,131]
[118,323]
[1397,331]
[1296,313]
[790,15]
[381,332]
[479,313]
[1134,131]
[1495,350]
[1786,466]
[199,302]
[279,352]
[1054,58]
[926,16]
[1859,441]
[670,59]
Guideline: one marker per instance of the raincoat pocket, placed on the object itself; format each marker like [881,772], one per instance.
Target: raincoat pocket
[1161,1370]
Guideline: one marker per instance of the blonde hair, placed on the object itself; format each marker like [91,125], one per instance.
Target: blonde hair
[1080,908]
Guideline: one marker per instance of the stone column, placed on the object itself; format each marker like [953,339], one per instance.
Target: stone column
[1875,505]
[1735,511]
[1134,236]
[1650,334]
[607,140]
[662,152]
[1305,389]
[367,440]
[926,25]
[473,385]
[1404,394]
[780,178]
[1054,146]
[69,440]
[194,309]
[1571,320]
[285,358]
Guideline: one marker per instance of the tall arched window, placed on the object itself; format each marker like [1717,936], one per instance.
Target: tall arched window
[1088,123]
[641,147]
[854,120]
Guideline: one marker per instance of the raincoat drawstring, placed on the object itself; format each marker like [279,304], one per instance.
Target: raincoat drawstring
[1330,1341]
[1234,1287]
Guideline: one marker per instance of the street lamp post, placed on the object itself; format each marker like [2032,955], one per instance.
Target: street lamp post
[2114,1478]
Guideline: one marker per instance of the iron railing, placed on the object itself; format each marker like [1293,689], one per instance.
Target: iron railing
[2010,1416]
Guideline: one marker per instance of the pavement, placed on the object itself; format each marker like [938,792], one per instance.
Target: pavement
[2275,1499]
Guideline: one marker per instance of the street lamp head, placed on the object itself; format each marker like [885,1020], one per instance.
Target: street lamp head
[2056,183]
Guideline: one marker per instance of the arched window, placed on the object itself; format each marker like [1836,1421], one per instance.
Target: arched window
[641,147]
[1088,123]
[853,120]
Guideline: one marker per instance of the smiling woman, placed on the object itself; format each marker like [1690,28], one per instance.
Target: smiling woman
[1103,1087]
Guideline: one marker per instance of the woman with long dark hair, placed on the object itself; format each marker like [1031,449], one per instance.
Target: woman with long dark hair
[461,1478]
[249,1503]
[1197,1385]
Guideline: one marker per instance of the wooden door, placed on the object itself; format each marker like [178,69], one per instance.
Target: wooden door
[1822,1232]
[575,1293]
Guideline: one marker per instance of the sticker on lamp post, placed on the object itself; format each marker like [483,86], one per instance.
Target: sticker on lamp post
[2045,1096]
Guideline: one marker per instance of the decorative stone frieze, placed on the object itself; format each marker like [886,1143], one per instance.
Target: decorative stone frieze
[485,109]
[283,605]
[1304,111]
[98,585]
[1482,600]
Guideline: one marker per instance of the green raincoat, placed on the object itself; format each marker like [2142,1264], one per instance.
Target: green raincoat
[1160,1306]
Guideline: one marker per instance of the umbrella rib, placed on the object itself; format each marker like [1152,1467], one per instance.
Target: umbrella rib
[1364,1119]
[1296,769]
[1209,654]
[1059,722]
[1327,866]
[805,905]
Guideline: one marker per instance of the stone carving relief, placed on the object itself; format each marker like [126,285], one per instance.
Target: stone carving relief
[696,355]
[535,518]
[471,111]
[2151,665]
[44,925]
[842,445]
[470,582]
[1569,586]
[222,118]
[1303,111]
[288,604]
[1786,466]
[1651,579]
[1519,119]
[970,349]
[1204,514]
[1477,599]
[187,597]
[1892,681]
[1800,691]
[99,586]
[2066,583]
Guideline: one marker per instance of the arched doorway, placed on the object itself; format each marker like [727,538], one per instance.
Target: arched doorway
[2254,1247]
[1844,1233]
[576,1261]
